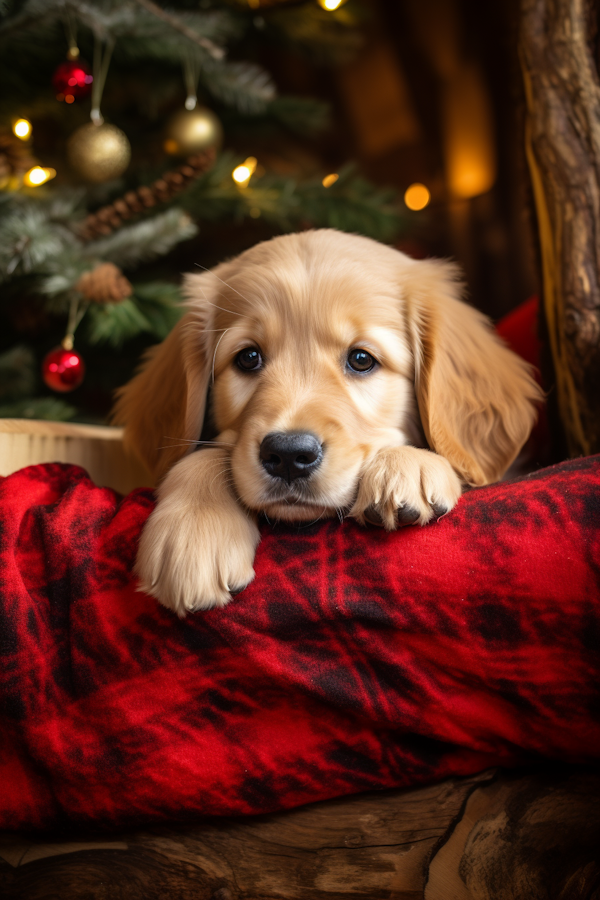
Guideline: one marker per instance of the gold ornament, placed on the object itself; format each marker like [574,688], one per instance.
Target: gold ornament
[99,152]
[192,130]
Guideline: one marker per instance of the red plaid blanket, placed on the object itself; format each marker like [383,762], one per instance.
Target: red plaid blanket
[356,659]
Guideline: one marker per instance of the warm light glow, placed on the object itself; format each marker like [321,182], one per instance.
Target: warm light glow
[470,175]
[330,179]
[22,129]
[38,175]
[242,174]
[330,5]
[417,196]
[469,139]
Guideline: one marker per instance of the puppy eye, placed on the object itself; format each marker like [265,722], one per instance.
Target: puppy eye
[361,361]
[249,360]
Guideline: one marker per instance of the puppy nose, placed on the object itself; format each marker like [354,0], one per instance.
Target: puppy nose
[291,454]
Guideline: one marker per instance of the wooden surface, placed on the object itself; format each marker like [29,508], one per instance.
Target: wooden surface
[562,132]
[496,836]
[26,442]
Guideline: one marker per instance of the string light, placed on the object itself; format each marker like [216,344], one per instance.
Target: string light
[330,5]
[38,175]
[330,179]
[22,129]
[417,196]
[242,174]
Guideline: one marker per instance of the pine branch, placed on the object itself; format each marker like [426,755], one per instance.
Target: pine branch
[325,37]
[17,373]
[141,31]
[49,408]
[154,308]
[161,304]
[301,115]
[351,204]
[241,84]
[171,183]
[148,238]
[29,237]
[115,323]
[178,25]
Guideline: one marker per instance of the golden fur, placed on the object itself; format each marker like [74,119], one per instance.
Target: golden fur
[448,403]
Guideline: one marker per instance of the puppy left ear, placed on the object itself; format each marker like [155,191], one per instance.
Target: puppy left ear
[163,406]
[477,399]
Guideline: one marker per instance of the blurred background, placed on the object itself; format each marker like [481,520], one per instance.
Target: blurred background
[138,140]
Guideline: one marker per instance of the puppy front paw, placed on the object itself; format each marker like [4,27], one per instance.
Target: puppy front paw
[405,485]
[192,559]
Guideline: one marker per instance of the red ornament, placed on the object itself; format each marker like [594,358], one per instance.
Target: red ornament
[72,80]
[63,370]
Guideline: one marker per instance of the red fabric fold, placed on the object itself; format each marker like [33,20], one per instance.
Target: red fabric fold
[355,660]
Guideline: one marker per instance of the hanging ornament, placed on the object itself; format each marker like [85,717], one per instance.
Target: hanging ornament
[99,151]
[195,128]
[72,80]
[63,369]
[191,131]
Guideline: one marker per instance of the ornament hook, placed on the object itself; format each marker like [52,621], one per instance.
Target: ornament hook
[191,74]
[100,71]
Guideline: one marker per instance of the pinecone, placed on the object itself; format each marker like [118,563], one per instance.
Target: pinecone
[15,158]
[109,218]
[104,284]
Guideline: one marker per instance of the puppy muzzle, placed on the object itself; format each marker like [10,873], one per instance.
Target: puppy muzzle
[291,455]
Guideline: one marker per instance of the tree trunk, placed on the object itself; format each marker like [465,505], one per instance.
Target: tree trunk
[562,136]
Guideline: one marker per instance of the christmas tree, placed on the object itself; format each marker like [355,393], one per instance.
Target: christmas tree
[107,168]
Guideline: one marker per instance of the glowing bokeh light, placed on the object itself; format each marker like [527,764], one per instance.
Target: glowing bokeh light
[38,175]
[417,196]
[330,5]
[242,174]
[330,179]
[22,129]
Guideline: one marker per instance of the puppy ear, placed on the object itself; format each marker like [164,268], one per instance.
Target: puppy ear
[476,397]
[163,406]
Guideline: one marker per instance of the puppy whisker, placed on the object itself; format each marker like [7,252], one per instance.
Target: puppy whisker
[226,285]
[313,522]
[181,442]
[222,308]
[212,373]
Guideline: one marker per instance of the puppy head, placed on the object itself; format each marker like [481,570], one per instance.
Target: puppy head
[318,347]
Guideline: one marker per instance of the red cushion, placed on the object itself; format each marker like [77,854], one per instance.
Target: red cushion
[356,659]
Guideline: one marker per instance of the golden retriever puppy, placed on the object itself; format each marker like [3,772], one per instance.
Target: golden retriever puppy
[344,379]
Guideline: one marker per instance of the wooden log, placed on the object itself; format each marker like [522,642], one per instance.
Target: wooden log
[372,846]
[493,836]
[524,838]
[562,139]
